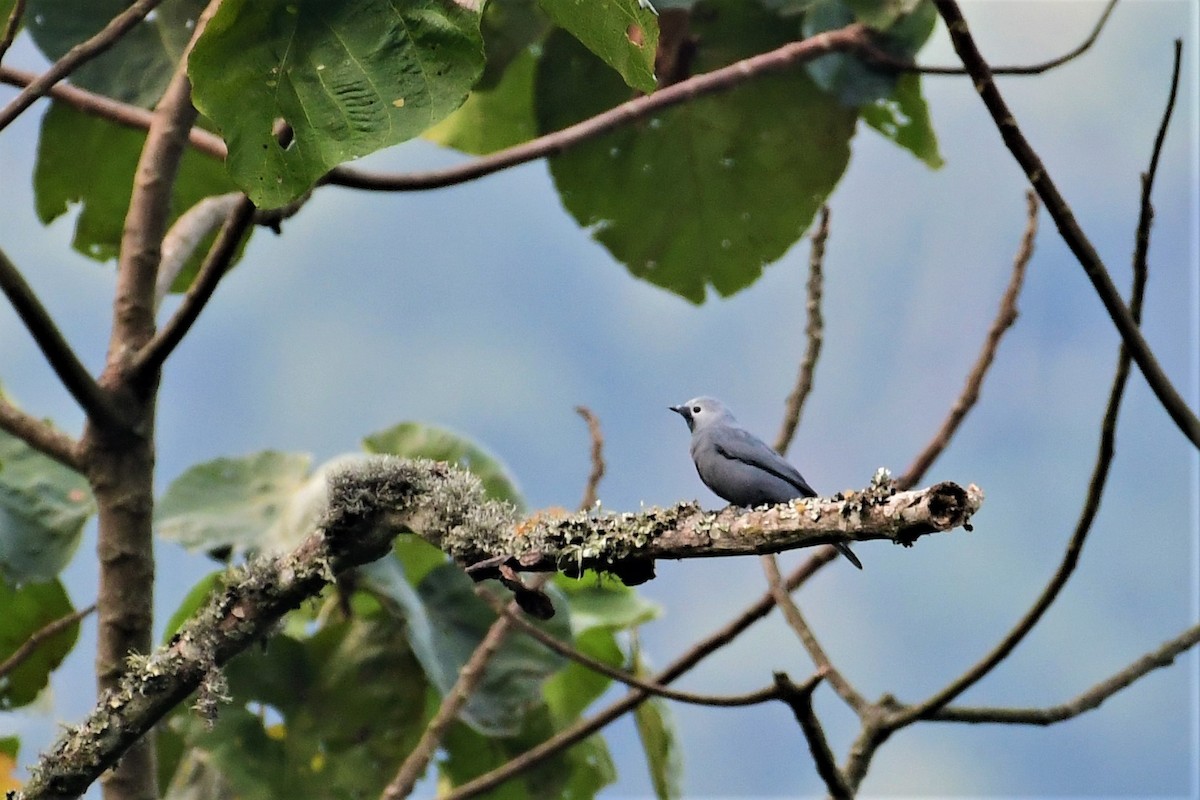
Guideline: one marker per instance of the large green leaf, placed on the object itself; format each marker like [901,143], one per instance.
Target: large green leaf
[415,440]
[512,680]
[494,118]
[43,508]
[623,33]
[231,502]
[27,610]
[89,161]
[510,28]
[138,66]
[657,732]
[349,77]
[709,192]
[329,716]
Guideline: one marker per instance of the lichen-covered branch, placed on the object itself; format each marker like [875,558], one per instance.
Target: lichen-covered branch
[627,544]
[366,510]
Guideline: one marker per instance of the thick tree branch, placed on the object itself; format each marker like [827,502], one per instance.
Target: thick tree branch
[627,544]
[1060,212]
[1005,317]
[79,54]
[94,401]
[367,509]
[1089,700]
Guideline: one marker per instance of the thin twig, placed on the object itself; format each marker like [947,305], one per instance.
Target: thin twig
[185,235]
[216,263]
[694,655]
[39,434]
[123,114]
[1091,699]
[851,37]
[79,54]
[30,645]
[796,621]
[94,401]
[885,59]
[799,699]
[813,332]
[597,457]
[629,679]
[1060,212]
[1099,472]
[1005,317]
[11,26]
[469,676]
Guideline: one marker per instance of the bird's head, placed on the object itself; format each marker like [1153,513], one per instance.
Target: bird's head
[700,412]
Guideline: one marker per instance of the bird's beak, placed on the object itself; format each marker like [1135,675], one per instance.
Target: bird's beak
[680,410]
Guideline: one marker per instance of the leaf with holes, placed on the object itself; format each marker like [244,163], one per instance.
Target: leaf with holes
[349,76]
[623,33]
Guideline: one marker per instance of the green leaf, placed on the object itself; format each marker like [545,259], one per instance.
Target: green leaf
[89,161]
[43,508]
[709,192]
[495,118]
[572,689]
[845,75]
[622,33]
[196,597]
[325,717]
[137,68]
[607,604]
[904,118]
[26,611]
[349,76]
[512,680]
[657,732]
[414,440]
[9,745]
[231,501]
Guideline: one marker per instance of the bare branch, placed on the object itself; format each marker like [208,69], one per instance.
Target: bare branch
[469,676]
[1005,317]
[851,37]
[813,331]
[79,54]
[30,645]
[185,235]
[123,114]
[1091,699]
[216,263]
[1060,212]
[650,687]
[11,26]
[597,456]
[884,59]
[791,612]
[39,434]
[94,401]
[799,699]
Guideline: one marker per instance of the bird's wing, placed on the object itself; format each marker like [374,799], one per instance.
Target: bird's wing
[741,445]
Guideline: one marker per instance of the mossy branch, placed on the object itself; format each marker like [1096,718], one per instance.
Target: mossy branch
[372,501]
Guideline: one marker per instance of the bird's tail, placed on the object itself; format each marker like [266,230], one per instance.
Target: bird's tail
[845,550]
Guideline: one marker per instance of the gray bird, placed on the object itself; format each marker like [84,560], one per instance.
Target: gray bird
[738,466]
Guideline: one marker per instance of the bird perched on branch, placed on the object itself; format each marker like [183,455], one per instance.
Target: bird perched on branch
[738,466]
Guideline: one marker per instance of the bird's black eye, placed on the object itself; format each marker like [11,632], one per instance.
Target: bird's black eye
[695,409]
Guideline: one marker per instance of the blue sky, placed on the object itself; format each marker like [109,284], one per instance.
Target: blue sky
[484,308]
